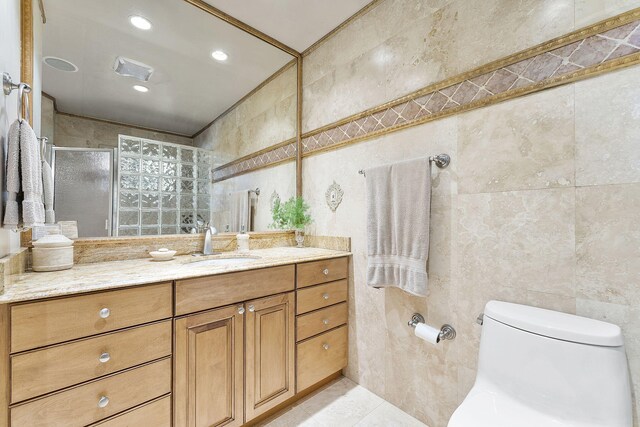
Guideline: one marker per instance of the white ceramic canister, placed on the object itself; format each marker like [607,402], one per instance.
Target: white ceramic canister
[52,252]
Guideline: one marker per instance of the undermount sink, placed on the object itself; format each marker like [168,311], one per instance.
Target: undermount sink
[222,261]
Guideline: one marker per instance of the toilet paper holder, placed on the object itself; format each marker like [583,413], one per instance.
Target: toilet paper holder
[446,331]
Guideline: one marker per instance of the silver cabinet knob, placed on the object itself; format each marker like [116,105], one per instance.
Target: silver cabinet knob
[325,271]
[104,357]
[105,312]
[326,346]
[325,295]
[103,402]
[241,310]
[252,308]
[325,321]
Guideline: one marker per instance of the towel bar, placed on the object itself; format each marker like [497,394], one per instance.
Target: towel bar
[441,161]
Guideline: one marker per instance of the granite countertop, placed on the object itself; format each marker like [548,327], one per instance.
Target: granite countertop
[117,274]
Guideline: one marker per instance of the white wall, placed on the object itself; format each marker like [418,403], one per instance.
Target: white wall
[10,63]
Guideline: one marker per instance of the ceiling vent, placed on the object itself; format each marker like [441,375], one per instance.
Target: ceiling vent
[60,64]
[130,68]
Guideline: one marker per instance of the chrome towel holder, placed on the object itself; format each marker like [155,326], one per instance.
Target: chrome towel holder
[441,160]
[24,89]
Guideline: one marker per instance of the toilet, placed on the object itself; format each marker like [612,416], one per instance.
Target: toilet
[539,368]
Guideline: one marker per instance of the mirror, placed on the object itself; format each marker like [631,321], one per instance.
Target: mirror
[143,104]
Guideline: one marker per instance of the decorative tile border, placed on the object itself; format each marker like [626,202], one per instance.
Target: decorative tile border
[599,48]
[271,156]
[608,50]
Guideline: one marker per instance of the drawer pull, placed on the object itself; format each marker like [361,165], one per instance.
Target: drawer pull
[325,321]
[103,402]
[325,271]
[326,346]
[104,357]
[105,312]
[325,295]
[241,309]
[252,308]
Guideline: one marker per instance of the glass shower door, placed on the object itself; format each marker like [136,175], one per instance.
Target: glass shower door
[83,180]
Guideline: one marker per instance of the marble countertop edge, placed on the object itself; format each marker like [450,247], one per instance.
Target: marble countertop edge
[112,275]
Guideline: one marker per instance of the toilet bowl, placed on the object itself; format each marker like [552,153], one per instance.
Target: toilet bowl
[543,368]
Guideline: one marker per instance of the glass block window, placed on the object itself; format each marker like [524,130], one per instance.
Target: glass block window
[163,188]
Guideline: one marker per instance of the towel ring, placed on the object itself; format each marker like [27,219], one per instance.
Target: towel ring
[23,99]
[24,89]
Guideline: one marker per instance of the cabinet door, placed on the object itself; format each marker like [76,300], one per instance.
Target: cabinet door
[270,346]
[208,373]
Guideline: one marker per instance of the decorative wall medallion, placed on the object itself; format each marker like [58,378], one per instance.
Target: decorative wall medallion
[334,196]
[275,198]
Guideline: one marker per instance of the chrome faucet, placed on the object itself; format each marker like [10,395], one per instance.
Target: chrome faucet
[208,249]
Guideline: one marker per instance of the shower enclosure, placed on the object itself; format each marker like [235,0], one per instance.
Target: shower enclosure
[83,183]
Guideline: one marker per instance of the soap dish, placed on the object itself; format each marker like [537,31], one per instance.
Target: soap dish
[162,254]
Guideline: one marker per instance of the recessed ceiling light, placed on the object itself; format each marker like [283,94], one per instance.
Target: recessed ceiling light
[141,88]
[60,64]
[219,55]
[140,22]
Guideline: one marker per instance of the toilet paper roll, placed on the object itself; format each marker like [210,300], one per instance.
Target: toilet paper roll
[427,333]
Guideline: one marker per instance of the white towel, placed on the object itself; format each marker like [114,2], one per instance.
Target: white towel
[24,178]
[398,211]
[47,187]
[240,211]
[12,209]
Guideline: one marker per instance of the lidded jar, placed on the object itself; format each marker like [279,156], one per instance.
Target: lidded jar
[52,252]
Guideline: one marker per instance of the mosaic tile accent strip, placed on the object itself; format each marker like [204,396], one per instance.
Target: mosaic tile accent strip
[279,154]
[557,66]
[599,48]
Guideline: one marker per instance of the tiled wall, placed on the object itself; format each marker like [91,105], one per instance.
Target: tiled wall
[266,118]
[539,205]
[72,131]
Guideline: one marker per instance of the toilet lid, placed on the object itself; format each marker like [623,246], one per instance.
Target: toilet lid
[487,409]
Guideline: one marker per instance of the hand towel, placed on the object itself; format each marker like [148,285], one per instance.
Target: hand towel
[47,187]
[398,211]
[12,208]
[24,178]
[240,210]
[31,177]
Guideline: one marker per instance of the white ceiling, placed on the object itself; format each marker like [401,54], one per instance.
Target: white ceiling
[296,23]
[188,88]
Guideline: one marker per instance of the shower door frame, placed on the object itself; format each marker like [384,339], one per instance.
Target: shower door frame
[112,182]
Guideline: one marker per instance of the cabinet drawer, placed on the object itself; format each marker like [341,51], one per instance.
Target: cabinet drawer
[156,414]
[327,270]
[316,322]
[53,321]
[53,368]
[203,293]
[321,356]
[79,406]
[321,296]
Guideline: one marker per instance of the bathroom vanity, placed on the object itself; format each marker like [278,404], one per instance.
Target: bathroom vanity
[171,343]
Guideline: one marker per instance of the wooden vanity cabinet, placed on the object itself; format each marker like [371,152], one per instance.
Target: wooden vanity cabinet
[215,348]
[222,350]
[208,368]
[269,353]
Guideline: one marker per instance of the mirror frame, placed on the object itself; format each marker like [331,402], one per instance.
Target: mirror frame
[26,70]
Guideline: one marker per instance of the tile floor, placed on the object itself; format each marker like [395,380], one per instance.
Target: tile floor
[342,403]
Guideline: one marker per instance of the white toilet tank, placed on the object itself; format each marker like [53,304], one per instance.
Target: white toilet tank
[540,367]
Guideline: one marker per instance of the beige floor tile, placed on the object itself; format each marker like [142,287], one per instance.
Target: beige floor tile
[343,403]
[387,415]
[293,416]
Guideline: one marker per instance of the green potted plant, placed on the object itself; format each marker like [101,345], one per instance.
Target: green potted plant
[292,214]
